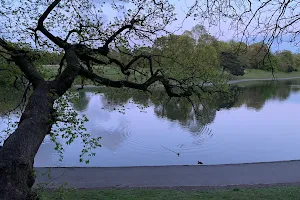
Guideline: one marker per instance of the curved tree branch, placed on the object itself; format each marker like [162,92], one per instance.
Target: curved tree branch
[67,77]
[139,86]
[21,60]
[58,41]
[111,38]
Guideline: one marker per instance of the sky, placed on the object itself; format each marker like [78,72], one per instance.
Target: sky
[221,32]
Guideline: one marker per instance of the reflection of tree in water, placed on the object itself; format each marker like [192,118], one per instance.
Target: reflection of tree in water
[175,109]
[82,102]
[181,110]
[113,138]
[115,99]
[256,95]
[142,99]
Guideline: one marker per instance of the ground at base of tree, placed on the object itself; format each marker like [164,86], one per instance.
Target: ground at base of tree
[263,193]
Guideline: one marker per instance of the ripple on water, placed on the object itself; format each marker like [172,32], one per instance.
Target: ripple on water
[196,142]
[112,138]
[199,141]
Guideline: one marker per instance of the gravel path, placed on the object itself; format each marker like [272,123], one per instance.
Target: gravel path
[204,176]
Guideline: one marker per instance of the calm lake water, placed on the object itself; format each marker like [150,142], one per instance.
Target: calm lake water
[138,130]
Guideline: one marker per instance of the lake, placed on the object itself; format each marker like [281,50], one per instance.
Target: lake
[262,125]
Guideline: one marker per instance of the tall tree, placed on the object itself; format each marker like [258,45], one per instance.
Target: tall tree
[260,57]
[196,32]
[231,63]
[286,61]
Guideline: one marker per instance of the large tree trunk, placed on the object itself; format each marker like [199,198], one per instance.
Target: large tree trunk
[19,149]
[18,152]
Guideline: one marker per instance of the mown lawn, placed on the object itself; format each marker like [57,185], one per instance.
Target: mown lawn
[268,193]
[260,74]
[114,73]
[111,72]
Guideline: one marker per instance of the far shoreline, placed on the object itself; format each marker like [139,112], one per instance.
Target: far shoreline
[229,82]
[261,79]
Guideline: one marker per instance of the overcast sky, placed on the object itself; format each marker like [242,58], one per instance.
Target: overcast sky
[222,32]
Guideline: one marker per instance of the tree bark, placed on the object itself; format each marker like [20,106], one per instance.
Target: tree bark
[19,149]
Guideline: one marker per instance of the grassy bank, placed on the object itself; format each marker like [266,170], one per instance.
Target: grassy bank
[260,74]
[268,193]
[114,73]
[49,72]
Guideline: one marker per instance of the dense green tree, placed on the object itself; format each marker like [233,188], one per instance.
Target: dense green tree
[199,56]
[177,50]
[260,57]
[297,60]
[196,33]
[231,63]
[286,61]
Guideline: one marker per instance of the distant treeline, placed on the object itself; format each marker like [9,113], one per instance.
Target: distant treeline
[194,53]
[200,49]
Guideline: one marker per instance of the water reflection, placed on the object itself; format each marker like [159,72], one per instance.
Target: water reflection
[113,137]
[81,103]
[174,110]
[254,96]
[142,129]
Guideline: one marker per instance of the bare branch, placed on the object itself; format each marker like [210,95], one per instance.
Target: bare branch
[70,33]
[58,41]
[111,38]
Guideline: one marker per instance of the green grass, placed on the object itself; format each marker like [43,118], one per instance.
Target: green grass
[268,193]
[49,72]
[111,72]
[114,73]
[261,74]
